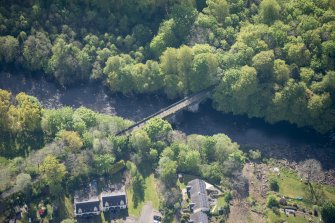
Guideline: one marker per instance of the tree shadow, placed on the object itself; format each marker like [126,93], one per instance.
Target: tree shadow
[138,189]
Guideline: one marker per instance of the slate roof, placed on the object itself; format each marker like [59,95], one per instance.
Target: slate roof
[87,206]
[87,199]
[198,194]
[199,217]
[115,199]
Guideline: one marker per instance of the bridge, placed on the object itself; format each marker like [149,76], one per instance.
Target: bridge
[191,102]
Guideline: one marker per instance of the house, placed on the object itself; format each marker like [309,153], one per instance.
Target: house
[199,204]
[86,202]
[199,217]
[112,198]
[196,191]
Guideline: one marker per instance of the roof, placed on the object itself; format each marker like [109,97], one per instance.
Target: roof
[198,194]
[113,200]
[199,217]
[114,195]
[197,186]
[87,206]
[87,199]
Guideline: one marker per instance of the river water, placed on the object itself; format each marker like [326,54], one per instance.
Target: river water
[207,121]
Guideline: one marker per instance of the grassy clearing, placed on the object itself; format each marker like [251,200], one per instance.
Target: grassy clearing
[273,218]
[290,185]
[150,195]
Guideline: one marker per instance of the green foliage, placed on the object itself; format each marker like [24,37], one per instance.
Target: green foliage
[328,212]
[104,163]
[36,51]
[272,202]
[274,186]
[71,140]
[269,11]
[165,38]
[68,63]
[51,170]
[9,49]
[157,129]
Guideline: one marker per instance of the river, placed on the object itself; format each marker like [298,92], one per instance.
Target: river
[246,131]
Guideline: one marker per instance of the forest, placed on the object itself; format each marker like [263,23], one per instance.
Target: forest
[269,59]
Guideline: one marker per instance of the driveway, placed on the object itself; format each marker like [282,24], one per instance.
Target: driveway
[146,214]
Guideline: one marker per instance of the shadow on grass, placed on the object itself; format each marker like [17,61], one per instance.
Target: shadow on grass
[138,188]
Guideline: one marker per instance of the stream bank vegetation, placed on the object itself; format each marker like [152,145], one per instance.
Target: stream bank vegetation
[271,59]
[77,146]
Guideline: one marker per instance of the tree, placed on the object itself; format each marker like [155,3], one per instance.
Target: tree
[147,77]
[281,71]
[51,170]
[204,71]
[274,186]
[167,170]
[165,38]
[189,161]
[236,90]
[29,112]
[119,77]
[103,163]
[297,53]
[157,129]
[310,169]
[68,63]
[272,202]
[9,49]
[140,141]
[56,120]
[23,182]
[71,140]
[183,15]
[218,8]
[4,109]
[36,51]
[328,212]
[269,11]
[263,62]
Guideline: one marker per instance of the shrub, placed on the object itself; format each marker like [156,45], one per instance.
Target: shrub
[272,202]
[274,186]
[328,212]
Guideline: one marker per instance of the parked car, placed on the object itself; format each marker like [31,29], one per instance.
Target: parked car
[157,219]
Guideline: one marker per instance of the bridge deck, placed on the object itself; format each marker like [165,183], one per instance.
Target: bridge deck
[166,112]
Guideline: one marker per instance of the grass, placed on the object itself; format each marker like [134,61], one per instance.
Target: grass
[290,185]
[150,195]
[273,218]
[65,208]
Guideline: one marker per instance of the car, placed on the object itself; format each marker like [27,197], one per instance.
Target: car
[157,219]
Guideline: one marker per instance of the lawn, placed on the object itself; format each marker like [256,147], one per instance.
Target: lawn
[150,195]
[290,185]
[273,218]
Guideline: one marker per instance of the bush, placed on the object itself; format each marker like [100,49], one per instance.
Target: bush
[328,212]
[272,202]
[274,186]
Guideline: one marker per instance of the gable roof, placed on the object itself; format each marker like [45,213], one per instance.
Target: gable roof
[108,200]
[197,186]
[199,217]
[198,194]
[87,206]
